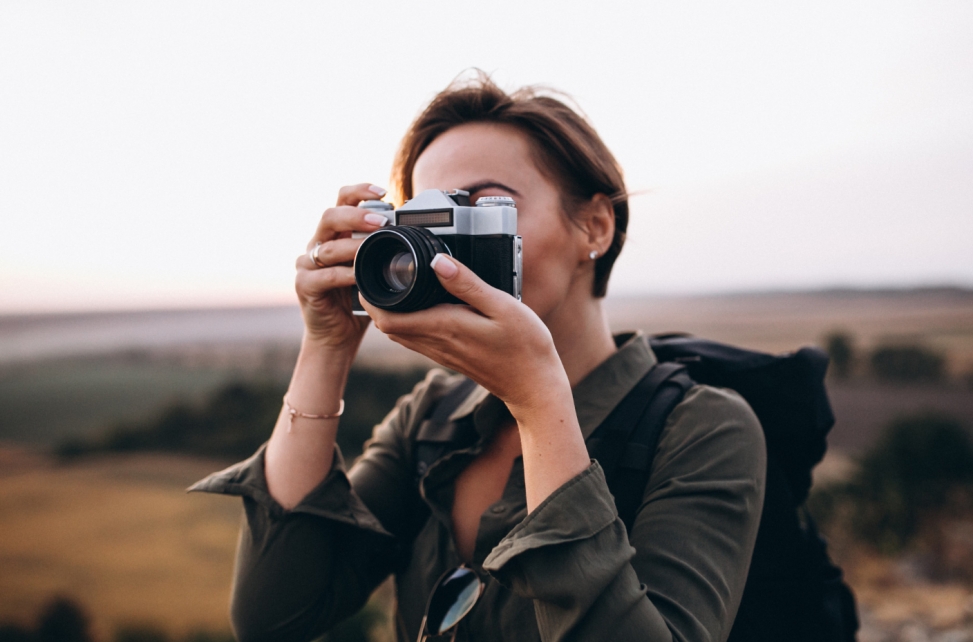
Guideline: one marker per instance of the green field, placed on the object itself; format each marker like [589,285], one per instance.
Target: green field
[43,402]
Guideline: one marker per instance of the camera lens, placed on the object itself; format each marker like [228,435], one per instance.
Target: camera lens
[392,269]
[400,272]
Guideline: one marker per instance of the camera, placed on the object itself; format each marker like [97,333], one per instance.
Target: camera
[392,268]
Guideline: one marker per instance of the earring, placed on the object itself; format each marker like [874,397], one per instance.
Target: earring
[593,254]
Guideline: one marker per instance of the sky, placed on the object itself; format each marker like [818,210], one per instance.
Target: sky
[179,154]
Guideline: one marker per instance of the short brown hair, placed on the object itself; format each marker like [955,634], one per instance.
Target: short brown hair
[566,147]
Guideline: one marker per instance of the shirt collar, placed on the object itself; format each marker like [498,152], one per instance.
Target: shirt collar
[595,396]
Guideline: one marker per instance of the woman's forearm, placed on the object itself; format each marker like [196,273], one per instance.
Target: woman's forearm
[553,448]
[300,450]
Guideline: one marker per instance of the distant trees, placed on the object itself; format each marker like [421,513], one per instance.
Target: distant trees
[908,492]
[234,420]
[841,349]
[916,469]
[61,620]
[907,363]
[890,362]
[231,423]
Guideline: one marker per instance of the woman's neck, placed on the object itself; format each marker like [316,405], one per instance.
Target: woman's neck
[581,335]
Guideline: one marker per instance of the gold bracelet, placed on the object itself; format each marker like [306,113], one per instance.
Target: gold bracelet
[294,413]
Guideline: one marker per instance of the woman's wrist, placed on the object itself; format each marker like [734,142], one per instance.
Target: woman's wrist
[328,350]
[320,375]
[542,396]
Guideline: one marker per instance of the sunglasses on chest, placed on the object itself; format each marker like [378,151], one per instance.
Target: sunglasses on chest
[451,600]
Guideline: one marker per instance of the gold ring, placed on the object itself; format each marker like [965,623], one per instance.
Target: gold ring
[313,255]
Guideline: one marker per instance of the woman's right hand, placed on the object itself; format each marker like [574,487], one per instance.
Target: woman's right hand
[324,290]
[299,457]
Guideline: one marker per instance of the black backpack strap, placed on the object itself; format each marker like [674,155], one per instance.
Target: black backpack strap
[436,435]
[629,482]
[624,444]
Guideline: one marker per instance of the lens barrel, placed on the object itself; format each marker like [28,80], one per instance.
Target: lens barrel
[392,269]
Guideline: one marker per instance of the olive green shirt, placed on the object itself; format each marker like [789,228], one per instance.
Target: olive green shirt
[567,571]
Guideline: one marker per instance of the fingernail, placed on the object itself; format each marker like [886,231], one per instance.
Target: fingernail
[443,266]
[375,189]
[376,219]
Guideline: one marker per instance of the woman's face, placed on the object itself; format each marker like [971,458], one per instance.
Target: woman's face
[495,160]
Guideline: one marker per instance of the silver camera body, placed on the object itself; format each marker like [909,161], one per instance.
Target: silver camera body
[392,268]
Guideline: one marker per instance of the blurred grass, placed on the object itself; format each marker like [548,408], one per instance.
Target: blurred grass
[120,535]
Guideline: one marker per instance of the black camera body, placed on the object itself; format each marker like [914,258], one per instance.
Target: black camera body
[392,268]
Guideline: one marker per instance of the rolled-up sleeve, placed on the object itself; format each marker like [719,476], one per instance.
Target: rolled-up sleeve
[300,571]
[284,585]
[680,573]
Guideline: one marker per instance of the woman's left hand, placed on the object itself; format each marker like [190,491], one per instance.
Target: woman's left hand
[502,345]
[495,340]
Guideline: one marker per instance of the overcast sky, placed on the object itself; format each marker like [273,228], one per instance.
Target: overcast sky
[180,153]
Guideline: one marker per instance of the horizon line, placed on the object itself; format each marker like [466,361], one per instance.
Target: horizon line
[729,293]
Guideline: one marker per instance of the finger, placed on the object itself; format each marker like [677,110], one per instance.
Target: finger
[345,218]
[445,350]
[440,356]
[334,252]
[355,194]
[313,283]
[444,329]
[461,282]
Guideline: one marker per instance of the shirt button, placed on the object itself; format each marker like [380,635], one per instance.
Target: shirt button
[500,508]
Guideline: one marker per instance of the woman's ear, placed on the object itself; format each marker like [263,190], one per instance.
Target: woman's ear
[598,223]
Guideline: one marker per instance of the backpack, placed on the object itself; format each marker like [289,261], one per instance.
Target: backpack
[793,590]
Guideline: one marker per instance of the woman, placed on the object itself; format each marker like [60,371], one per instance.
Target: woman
[523,505]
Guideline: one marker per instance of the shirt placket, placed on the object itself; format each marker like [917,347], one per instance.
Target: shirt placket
[500,518]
